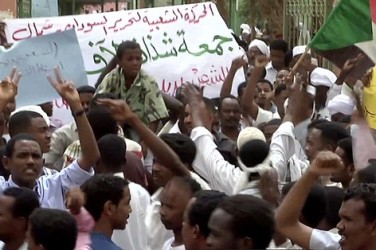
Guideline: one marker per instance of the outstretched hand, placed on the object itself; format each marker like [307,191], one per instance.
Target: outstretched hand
[351,63]
[261,61]
[239,62]
[75,199]
[66,89]
[325,163]
[119,109]
[9,86]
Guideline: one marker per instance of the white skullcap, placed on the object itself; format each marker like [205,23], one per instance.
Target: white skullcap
[33,108]
[249,134]
[341,104]
[245,26]
[299,50]
[323,77]
[261,45]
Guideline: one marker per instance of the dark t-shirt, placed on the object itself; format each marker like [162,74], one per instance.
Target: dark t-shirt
[100,241]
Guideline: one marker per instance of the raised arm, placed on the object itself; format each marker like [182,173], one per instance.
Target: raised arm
[9,88]
[248,101]
[288,213]
[174,106]
[227,83]
[90,153]
[165,155]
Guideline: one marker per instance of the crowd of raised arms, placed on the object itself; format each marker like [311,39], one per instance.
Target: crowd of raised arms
[286,164]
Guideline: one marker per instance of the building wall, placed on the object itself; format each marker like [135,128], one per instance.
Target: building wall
[8,5]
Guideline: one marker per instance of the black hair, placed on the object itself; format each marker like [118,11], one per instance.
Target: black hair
[253,152]
[365,192]
[227,97]
[274,122]
[209,104]
[3,172]
[87,89]
[124,46]
[278,90]
[182,145]
[346,146]
[332,132]
[102,188]
[188,182]
[280,45]
[368,174]
[288,58]
[241,87]
[263,80]
[112,149]
[206,202]
[21,121]
[9,148]
[345,119]
[314,208]
[109,67]
[315,123]
[25,201]
[54,229]
[101,122]
[251,217]
[334,197]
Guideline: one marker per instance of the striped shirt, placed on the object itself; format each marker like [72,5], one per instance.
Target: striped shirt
[51,189]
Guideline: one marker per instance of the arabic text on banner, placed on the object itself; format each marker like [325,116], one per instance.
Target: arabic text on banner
[36,58]
[186,43]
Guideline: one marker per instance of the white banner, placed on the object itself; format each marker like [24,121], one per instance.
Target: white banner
[186,43]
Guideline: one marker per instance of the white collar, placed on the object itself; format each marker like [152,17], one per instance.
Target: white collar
[269,66]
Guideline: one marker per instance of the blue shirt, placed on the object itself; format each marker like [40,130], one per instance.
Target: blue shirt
[51,189]
[100,241]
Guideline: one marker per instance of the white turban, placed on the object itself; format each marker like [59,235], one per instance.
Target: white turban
[261,46]
[248,134]
[246,27]
[299,50]
[323,77]
[33,108]
[341,104]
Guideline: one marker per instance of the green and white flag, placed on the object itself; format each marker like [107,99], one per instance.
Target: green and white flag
[349,30]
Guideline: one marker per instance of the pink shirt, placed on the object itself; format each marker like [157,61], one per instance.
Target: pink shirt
[85,224]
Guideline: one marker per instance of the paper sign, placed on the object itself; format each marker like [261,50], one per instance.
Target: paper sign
[44,8]
[36,58]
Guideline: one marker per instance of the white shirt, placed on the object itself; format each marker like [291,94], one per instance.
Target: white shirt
[271,73]
[168,243]
[51,189]
[265,116]
[134,235]
[211,165]
[156,231]
[283,153]
[23,247]
[60,140]
[324,240]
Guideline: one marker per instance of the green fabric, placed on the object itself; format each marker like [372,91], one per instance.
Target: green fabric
[143,97]
[349,23]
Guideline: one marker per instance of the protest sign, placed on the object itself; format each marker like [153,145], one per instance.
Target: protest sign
[36,58]
[186,43]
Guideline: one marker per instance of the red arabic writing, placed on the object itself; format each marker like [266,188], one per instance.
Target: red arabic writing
[114,22]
